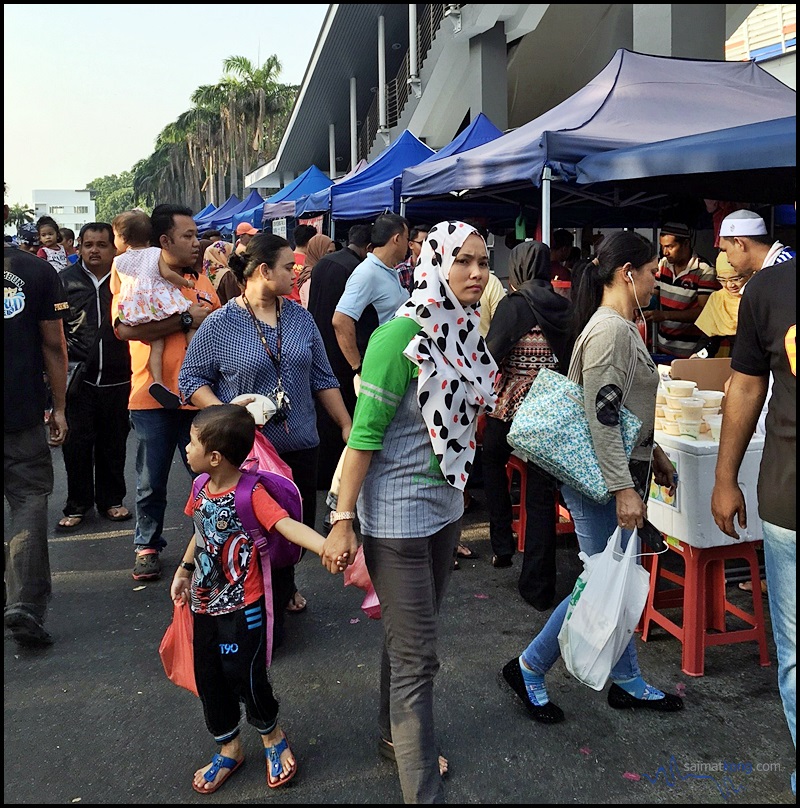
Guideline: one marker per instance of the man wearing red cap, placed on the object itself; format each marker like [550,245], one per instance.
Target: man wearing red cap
[244,232]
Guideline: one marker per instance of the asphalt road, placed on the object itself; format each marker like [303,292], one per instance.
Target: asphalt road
[95,720]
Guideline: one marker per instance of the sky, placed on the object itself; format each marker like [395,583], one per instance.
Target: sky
[87,89]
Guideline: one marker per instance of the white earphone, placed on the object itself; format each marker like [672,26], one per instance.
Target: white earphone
[628,273]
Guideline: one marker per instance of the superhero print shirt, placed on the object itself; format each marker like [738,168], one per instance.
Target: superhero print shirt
[227,572]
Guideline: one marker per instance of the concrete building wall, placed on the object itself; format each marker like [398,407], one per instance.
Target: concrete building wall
[71,209]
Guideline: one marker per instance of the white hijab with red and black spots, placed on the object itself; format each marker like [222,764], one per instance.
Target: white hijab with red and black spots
[456,372]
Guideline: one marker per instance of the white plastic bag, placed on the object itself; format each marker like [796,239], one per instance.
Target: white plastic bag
[606,603]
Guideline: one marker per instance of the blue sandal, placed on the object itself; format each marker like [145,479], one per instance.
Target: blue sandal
[274,765]
[218,762]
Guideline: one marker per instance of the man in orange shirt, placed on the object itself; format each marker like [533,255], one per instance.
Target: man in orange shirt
[158,431]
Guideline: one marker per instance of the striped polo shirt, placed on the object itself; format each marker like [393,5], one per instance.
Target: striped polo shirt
[678,293]
[404,494]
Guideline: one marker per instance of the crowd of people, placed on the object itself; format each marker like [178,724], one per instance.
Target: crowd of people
[379,358]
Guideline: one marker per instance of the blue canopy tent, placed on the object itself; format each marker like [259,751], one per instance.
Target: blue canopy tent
[407,150]
[369,203]
[751,163]
[282,203]
[226,207]
[206,211]
[223,220]
[636,99]
[304,205]
[254,217]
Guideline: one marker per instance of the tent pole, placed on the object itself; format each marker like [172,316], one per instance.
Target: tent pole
[546,177]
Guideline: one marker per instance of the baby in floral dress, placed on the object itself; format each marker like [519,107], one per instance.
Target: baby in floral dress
[148,290]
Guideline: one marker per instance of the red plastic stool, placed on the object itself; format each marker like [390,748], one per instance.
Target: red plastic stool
[564,523]
[701,595]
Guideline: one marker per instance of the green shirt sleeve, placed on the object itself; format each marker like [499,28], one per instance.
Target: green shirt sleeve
[385,376]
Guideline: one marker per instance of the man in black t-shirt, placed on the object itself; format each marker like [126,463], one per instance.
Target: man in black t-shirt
[766,342]
[34,305]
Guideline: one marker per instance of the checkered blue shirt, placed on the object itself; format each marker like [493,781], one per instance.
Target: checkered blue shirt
[227,355]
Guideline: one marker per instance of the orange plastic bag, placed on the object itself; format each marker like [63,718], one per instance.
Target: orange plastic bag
[176,650]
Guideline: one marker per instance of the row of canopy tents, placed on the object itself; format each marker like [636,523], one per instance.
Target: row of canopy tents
[231,213]
[730,130]
[637,101]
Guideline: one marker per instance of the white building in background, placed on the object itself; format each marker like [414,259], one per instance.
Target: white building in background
[72,209]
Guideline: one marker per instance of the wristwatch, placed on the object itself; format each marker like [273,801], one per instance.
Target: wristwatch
[340,516]
[187,321]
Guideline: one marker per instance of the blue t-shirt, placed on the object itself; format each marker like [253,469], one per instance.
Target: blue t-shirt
[372,283]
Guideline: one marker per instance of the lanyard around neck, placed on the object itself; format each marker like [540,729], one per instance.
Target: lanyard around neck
[276,358]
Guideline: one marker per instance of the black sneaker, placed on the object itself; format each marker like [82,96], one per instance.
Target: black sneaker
[26,628]
[147,566]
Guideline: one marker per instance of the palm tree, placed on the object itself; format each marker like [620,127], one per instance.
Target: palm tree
[247,97]
[19,215]
[233,126]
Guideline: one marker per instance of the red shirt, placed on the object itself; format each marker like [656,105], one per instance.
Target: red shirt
[227,573]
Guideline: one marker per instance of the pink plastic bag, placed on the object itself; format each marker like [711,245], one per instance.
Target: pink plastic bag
[265,456]
[371,605]
[357,575]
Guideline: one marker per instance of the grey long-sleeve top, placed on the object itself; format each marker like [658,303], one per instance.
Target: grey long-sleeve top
[604,367]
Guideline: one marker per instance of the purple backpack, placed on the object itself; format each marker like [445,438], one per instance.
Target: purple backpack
[274,550]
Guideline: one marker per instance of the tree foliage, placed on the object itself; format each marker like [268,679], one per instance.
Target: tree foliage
[19,215]
[203,156]
[112,194]
[234,126]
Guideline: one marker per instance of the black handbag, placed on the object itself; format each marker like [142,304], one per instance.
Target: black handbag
[76,371]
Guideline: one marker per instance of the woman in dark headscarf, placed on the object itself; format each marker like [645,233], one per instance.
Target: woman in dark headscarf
[530,331]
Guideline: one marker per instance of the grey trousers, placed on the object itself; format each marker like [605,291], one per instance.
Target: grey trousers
[410,577]
[27,484]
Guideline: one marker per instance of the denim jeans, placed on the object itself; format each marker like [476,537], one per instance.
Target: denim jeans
[27,485]
[158,433]
[780,559]
[594,524]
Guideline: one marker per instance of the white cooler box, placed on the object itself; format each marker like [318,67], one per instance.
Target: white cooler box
[687,516]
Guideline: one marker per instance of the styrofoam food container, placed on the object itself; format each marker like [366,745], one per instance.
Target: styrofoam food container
[689,428]
[712,398]
[692,408]
[714,424]
[680,387]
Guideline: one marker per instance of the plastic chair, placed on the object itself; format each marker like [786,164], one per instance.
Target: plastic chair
[564,523]
[700,593]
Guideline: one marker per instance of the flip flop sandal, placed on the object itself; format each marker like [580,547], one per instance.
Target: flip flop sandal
[462,551]
[70,528]
[293,607]
[218,762]
[274,765]
[120,517]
